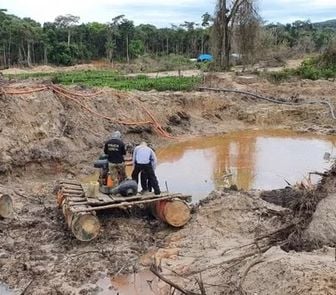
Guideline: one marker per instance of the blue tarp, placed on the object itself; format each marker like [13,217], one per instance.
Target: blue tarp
[205,57]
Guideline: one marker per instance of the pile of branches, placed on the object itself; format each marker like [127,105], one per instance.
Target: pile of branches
[302,201]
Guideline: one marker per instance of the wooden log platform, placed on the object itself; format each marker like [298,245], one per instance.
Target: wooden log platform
[80,210]
[118,202]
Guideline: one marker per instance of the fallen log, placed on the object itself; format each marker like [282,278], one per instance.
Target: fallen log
[6,206]
[175,212]
[84,226]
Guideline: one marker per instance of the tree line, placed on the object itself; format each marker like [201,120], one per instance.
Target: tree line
[234,27]
[304,36]
[64,41]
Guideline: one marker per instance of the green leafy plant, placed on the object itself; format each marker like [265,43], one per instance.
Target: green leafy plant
[117,81]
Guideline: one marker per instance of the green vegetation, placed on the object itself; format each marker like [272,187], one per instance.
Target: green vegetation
[319,67]
[117,81]
[25,42]
[145,48]
[277,77]
[301,37]
[140,82]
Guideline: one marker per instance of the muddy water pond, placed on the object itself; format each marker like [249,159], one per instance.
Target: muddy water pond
[248,159]
[4,290]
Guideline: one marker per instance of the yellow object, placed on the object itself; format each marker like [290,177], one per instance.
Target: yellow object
[92,189]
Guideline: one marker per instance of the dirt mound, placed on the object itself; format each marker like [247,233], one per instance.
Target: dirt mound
[230,248]
[322,229]
[313,209]
[291,273]
[48,69]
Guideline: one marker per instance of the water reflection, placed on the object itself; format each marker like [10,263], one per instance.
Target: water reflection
[249,159]
[4,290]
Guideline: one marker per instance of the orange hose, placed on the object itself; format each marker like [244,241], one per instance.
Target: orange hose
[25,91]
[97,114]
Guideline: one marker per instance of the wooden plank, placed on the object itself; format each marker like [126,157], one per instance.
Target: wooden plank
[73,195]
[76,199]
[123,204]
[93,200]
[72,192]
[70,182]
[77,188]
[103,198]
[78,203]
[116,199]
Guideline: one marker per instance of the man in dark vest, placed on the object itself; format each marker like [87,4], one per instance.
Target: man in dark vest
[115,151]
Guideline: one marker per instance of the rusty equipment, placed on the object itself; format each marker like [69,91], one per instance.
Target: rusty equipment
[80,202]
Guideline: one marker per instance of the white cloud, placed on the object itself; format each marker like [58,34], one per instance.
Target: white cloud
[162,13]
[104,10]
[288,10]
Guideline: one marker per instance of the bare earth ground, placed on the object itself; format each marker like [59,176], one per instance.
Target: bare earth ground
[44,137]
[100,65]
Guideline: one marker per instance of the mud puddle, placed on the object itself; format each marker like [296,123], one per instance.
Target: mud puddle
[248,159]
[4,290]
[134,284]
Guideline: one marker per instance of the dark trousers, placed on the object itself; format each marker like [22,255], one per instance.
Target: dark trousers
[144,180]
[149,172]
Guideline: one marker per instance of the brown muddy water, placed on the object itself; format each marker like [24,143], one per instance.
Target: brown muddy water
[143,283]
[249,159]
[4,290]
[260,160]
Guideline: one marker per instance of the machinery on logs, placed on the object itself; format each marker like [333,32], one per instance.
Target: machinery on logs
[81,202]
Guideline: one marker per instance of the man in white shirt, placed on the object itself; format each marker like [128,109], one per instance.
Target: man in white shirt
[144,160]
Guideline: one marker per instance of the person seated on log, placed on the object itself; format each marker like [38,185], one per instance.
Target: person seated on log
[115,151]
[144,160]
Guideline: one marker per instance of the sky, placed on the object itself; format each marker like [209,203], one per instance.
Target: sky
[163,14]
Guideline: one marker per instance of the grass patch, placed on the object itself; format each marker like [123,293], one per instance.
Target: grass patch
[117,81]
[320,67]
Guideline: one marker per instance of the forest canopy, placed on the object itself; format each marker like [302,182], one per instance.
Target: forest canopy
[66,41]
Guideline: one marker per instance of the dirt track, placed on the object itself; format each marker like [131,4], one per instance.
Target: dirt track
[44,137]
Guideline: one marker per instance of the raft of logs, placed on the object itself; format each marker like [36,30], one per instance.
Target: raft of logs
[80,210]
[6,206]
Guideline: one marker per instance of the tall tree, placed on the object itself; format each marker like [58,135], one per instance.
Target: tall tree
[126,29]
[112,36]
[247,31]
[225,19]
[67,22]
[206,20]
